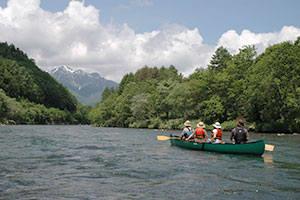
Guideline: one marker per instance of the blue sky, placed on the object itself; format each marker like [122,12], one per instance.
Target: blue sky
[105,35]
[211,17]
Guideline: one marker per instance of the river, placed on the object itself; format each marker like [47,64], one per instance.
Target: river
[84,162]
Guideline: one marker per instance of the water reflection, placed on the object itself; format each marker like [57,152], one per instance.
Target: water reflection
[268,158]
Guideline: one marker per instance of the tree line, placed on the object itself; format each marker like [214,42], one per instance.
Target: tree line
[31,96]
[263,90]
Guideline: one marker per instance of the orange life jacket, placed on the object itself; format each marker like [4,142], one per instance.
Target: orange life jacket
[219,134]
[200,133]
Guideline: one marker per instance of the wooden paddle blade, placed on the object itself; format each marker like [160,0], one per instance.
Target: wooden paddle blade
[162,138]
[269,147]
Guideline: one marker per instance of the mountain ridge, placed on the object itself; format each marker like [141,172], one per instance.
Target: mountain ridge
[86,87]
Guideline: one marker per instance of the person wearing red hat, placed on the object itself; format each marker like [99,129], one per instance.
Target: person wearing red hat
[239,135]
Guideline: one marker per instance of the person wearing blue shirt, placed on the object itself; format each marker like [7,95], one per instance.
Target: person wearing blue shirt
[187,131]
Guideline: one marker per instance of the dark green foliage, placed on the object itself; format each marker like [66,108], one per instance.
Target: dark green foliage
[45,89]
[31,96]
[17,82]
[81,115]
[9,108]
[142,99]
[107,92]
[263,90]
[219,59]
[274,88]
[126,79]
[25,112]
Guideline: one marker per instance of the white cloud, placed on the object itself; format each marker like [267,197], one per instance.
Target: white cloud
[75,37]
[233,42]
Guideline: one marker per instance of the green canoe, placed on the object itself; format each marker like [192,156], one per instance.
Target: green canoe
[254,148]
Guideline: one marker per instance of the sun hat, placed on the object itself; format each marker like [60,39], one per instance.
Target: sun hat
[187,123]
[201,124]
[240,123]
[217,125]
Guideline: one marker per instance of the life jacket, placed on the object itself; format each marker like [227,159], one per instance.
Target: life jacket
[200,133]
[219,134]
[240,135]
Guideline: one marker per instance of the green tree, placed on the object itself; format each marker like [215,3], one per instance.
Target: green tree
[219,59]
[32,93]
[46,90]
[125,80]
[107,92]
[274,85]
[235,79]
[213,109]
[4,107]
[140,107]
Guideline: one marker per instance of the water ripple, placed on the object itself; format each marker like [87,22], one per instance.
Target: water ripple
[83,162]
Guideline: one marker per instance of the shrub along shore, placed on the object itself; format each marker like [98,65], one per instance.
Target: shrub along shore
[263,90]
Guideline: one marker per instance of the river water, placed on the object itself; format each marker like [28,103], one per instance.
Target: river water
[83,162]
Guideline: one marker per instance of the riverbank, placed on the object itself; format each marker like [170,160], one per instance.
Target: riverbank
[178,124]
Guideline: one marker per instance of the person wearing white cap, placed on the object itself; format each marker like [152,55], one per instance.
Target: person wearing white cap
[188,130]
[216,134]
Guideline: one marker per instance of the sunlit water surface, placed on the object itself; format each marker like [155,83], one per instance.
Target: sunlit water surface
[83,162]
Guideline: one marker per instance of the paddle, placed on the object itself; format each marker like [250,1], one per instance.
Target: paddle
[162,138]
[269,147]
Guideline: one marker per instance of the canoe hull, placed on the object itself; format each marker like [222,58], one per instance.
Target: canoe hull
[251,148]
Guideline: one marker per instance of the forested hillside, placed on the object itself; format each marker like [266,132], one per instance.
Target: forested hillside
[264,90]
[29,95]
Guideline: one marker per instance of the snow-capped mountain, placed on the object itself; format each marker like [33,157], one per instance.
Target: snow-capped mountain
[86,87]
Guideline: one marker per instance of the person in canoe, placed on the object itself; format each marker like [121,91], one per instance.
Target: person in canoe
[187,131]
[216,134]
[200,134]
[239,135]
